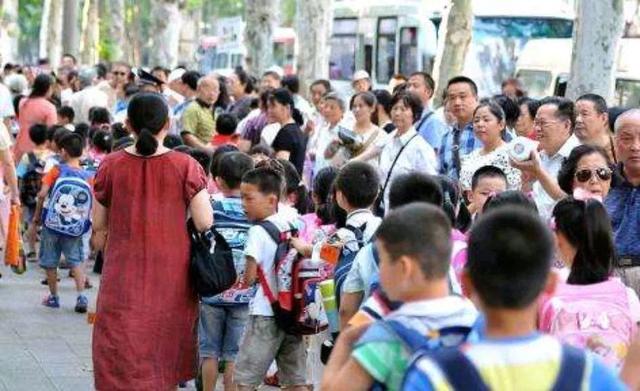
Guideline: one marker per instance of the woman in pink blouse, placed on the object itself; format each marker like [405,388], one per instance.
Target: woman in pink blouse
[35,109]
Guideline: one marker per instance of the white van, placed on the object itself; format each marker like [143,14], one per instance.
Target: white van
[544,66]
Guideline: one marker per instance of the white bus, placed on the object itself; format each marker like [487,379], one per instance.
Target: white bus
[384,38]
[214,56]
[545,64]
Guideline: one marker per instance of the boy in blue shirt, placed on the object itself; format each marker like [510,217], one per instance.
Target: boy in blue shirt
[67,219]
[223,317]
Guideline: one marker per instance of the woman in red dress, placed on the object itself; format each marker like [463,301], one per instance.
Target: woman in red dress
[144,337]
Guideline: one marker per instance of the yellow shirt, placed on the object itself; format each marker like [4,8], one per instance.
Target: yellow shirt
[199,121]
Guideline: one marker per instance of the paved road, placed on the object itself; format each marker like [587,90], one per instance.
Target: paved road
[45,349]
[42,348]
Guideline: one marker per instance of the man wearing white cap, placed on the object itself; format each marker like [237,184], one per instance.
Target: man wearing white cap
[361,81]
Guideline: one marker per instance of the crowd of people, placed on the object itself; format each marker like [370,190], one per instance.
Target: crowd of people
[491,243]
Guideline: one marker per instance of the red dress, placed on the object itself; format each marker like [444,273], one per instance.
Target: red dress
[144,337]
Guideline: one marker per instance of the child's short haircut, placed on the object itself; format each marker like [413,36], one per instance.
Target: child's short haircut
[422,231]
[99,115]
[268,177]
[226,124]
[414,187]
[59,133]
[359,183]
[509,257]
[232,167]
[38,134]
[486,172]
[102,141]
[217,155]
[172,140]
[119,131]
[261,149]
[83,129]
[72,144]
[203,158]
[67,112]
[510,198]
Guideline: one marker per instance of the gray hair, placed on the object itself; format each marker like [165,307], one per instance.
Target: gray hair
[629,114]
[86,76]
[334,96]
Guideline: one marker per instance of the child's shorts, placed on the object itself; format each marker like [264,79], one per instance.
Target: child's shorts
[53,245]
[262,342]
[220,329]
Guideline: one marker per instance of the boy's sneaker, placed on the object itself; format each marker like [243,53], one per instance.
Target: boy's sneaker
[81,304]
[51,301]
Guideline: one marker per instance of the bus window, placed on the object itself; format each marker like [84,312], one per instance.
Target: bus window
[627,92]
[342,60]
[536,82]
[236,60]
[386,49]
[408,50]
[222,61]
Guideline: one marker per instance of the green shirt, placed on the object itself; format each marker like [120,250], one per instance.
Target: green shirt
[199,121]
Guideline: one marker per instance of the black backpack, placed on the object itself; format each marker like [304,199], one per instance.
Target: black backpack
[211,268]
[31,182]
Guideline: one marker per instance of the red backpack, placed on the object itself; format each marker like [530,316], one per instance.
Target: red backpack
[296,300]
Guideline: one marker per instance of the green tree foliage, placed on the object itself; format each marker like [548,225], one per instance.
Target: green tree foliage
[29,18]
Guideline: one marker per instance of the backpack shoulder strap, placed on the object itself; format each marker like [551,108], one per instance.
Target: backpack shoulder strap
[410,337]
[459,371]
[272,230]
[358,232]
[33,159]
[572,369]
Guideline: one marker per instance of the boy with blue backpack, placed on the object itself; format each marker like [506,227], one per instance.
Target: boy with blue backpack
[357,186]
[414,245]
[508,270]
[223,317]
[64,210]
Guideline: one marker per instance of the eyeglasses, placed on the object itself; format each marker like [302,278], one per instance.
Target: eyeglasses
[604,174]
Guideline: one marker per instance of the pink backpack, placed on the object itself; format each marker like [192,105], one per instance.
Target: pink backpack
[596,317]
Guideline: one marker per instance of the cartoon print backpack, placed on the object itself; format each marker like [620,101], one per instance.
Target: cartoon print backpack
[594,317]
[296,299]
[68,209]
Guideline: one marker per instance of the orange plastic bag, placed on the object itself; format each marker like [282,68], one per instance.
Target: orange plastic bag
[13,252]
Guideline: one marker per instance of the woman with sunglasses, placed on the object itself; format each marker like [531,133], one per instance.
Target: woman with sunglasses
[587,169]
[590,308]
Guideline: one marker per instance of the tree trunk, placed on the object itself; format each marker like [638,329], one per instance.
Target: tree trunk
[313,24]
[44,28]
[189,35]
[453,50]
[9,31]
[165,35]
[117,29]
[90,33]
[260,20]
[596,37]
[70,27]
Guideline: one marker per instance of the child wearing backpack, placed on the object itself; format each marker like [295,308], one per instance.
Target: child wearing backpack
[592,309]
[264,339]
[508,271]
[223,317]
[363,276]
[29,173]
[356,187]
[414,244]
[64,210]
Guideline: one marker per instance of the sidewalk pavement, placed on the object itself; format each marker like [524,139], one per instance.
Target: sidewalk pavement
[42,348]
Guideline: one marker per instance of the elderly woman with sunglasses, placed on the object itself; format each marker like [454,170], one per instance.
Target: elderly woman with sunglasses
[587,171]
